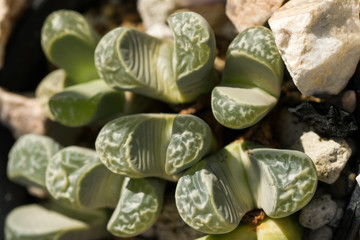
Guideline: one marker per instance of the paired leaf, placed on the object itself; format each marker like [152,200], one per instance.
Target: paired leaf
[138,208]
[153,145]
[69,42]
[29,157]
[251,82]
[86,103]
[50,85]
[76,177]
[268,229]
[215,194]
[172,71]
[33,222]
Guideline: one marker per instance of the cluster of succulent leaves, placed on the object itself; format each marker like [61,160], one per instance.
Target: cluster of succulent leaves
[120,184]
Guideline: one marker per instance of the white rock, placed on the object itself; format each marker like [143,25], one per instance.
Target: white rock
[248,13]
[319,42]
[328,155]
[319,212]
[154,14]
[323,233]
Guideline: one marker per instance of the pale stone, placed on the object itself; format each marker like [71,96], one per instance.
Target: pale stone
[9,11]
[319,42]
[249,13]
[154,14]
[348,101]
[328,155]
[319,212]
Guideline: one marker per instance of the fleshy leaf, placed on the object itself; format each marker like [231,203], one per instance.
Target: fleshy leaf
[251,82]
[76,177]
[215,194]
[69,42]
[138,208]
[51,84]
[86,103]
[267,229]
[172,71]
[153,145]
[29,157]
[34,222]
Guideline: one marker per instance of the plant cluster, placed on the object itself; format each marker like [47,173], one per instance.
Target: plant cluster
[120,183]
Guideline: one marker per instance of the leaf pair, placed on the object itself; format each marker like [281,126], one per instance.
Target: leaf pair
[74,95]
[213,195]
[174,71]
[251,82]
[153,145]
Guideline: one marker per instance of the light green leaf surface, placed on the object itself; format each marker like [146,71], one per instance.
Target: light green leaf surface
[76,177]
[138,208]
[69,42]
[153,145]
[268,229]
[86,103]
[172,71]
[34,222]
[51,84]
[29,157]
[215,194]
[251,81]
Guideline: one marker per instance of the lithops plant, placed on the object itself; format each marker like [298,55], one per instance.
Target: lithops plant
[175,71]
[153,145]
[28,159]
[213,195]
[287,228]
[251,81]
[33,222]
[69,42]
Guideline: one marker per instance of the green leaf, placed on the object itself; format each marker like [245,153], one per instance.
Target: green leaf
[86,103]
[153,145]
[286,177]
[35,222]
[28,159]
[251,82]
[215,194]
[138,208]
[69,42]
[76,177]
[268,229]
[172,71]
[51,84]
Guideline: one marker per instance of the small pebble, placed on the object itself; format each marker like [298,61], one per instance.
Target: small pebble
[329,155]
[319,212]
[323,233]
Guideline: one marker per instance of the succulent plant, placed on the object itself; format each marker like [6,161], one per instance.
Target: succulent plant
[213,195]
[153,145]
[69,42]
[33,222]
[251,81]
[28,159]
[175,71]
[287,228]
